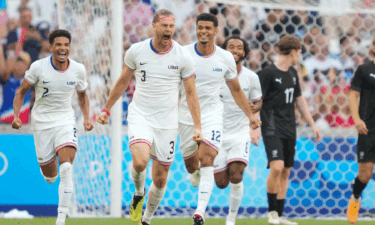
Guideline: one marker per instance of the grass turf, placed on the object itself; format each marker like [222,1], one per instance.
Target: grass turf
[51,221]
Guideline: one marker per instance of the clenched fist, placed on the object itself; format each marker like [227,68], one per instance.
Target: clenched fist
[88,125]
[255,123]
[17,123]
[197,136]
[103,118]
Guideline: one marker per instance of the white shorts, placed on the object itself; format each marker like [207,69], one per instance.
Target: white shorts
[235,150]
[49,141]
[161,141]
[211,136]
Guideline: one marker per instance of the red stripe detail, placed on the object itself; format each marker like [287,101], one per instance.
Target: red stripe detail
[161,162]
[220,170]
[65,145]
[22,37]
[257,99]
[210,144]
[186,78]
[62,71]
[45,163]
[232,79]
[192,155]
[166,52]
[238,160]
[136,141]
[213,52]
[28,81]
[239,73]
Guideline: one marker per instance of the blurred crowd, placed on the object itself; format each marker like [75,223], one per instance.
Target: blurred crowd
[333,46]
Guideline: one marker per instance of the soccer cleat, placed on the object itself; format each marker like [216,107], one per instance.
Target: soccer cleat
[136,207]
[283,220]
[198,219]
[230,222]
[353,209]
[60,223]
[196,178]
[273,217]
[142,223]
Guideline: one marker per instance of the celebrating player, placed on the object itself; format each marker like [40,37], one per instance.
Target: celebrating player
[233,156]
[159,65]
[213,66]
[363,86]
[55,79]
[281,90]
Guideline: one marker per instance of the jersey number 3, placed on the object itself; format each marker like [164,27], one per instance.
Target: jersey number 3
[143,75]
[289,95]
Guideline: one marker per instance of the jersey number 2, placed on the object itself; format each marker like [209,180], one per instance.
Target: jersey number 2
[289,95]
[143,75]
[45,92]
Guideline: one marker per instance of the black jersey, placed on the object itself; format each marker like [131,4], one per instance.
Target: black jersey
[364,82]
[280,90]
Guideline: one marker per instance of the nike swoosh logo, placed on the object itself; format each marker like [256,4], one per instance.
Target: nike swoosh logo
[169,158]
[203,192]
[142,63]
[45,82]
[67,192]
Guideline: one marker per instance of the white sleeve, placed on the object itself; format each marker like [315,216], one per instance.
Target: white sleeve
[256,90]
[231,73]
[187,65]
[82,80]
[31,76]
[130,58]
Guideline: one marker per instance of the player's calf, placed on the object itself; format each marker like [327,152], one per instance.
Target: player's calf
[49,171]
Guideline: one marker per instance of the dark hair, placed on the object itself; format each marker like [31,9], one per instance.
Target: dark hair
[288,43]
[208,17]
[59,33]
[23,8]
[246,47]
[160,13]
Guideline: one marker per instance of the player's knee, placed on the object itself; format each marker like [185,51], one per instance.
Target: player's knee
[160,182]
[221,183]
[277,167]
[190,169]
[236,177]
[208,159]
[365,177]
[140,165]
[49,180]
[66,170]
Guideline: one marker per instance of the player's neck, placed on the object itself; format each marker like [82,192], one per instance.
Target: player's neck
[60,66]
[283,63]
[205,49]
[158,46]
[239,67]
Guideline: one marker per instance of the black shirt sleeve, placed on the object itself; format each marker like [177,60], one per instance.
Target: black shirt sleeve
[12,37]
[357,80]
[264,78]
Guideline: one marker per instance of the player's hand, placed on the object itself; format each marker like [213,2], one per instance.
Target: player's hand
[197,137]
[252,107]
[255,123]
[255,137]
[103,118]
[360,125]
[17,123]
[316,133]
[88,125]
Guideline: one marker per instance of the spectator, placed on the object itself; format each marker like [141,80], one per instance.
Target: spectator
[3,18]
[44,30]
[10,82]
[346,60]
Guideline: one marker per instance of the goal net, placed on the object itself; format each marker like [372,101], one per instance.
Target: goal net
[336,40]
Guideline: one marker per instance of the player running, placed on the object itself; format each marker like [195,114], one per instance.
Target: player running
[159,64]
[233,156]
[55,80]
[281,92]
[213,66]
[363,86]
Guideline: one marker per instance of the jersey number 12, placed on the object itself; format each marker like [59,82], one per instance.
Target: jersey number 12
[289,95]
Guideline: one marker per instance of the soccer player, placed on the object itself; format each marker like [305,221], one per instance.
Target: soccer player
[281,92]
[55,80]
[159,64]
[363,86]
[213,65]
[233,156]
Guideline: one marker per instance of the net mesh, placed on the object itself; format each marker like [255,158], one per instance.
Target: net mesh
[333,46]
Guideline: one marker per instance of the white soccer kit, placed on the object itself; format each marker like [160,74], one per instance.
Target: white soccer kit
[52,117]
[153,112]
[236,125]
[211,71]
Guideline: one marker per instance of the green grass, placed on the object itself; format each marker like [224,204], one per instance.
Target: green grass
[51,221]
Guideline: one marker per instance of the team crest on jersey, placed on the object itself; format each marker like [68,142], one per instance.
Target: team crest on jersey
[246,89]
[173,67]
[294,81]
[274,153]
[71,83]
[217,70]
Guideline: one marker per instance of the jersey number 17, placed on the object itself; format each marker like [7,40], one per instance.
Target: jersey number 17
[289,95]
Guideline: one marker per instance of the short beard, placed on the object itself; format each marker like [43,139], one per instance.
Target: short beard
[240,60]
[203,42]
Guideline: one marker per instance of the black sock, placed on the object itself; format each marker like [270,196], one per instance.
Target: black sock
[280,206]
[358,188]
[272,202]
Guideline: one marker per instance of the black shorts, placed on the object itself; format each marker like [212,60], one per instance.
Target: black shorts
[366,148]
[280,149]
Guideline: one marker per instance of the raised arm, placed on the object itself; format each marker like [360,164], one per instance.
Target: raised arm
[194,107]
[18,102]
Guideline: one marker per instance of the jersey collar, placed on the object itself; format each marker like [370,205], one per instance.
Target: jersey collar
[61,71]
[158,52]
[201,55]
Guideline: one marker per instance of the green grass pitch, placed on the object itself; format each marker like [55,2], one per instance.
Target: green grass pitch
[51,221]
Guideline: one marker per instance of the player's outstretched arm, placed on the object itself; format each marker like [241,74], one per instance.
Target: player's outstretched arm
[18,102]
[360,125]
[119,89]
[305,112]
[84,104]
[242,102]
[194,107]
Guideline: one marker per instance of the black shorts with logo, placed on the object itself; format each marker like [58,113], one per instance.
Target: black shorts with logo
[366,148]
[280,149]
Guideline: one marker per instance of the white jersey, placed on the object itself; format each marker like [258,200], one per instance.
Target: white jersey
[235,120]
[158,75]
[211,71]
[54,90]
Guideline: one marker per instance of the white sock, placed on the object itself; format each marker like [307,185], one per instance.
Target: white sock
[155,196]
[205,189]
[65,190]
[139,182]
[236,193]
